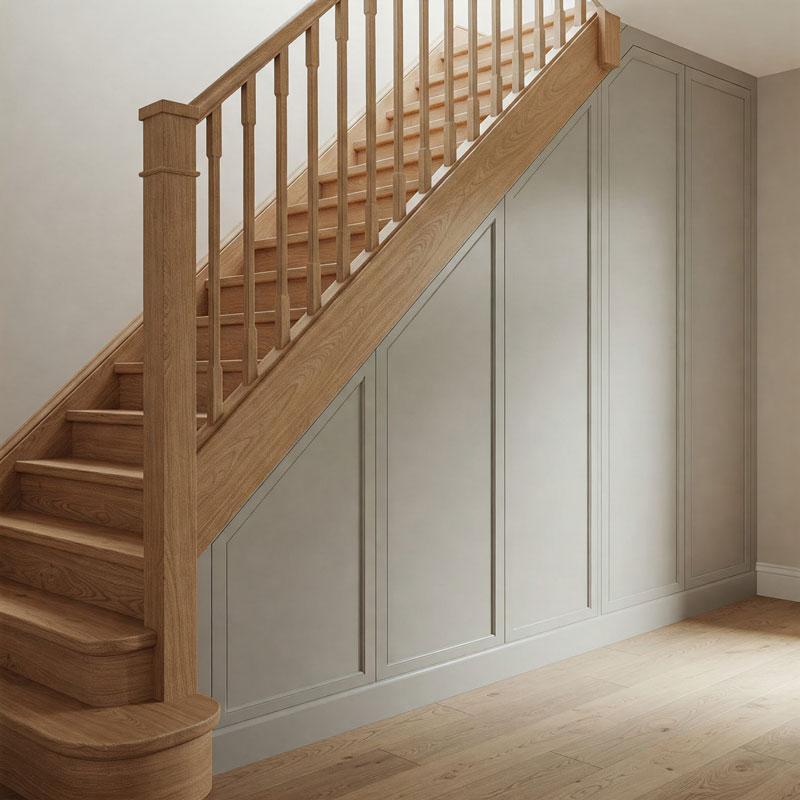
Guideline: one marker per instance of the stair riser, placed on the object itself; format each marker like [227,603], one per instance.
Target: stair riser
[99,681]
[179,773]
[436,111]
[357,183]
[410,147]
[231,340]
[232,297]
[298,252]
[116,587]
[86,502]
[436,89]
[131,389]
[328,217]
[108,442]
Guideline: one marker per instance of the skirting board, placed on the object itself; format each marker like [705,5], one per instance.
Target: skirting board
[775,580]
[247,742]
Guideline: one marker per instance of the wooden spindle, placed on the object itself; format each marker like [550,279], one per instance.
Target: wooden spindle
[473,101]
[282,318]
[539,43]
[399,176]
[497,69]
[425,164]
[449,126]
[371,210]
[342,230]
[214,153]
[559,24]
[580,13]
[517,55]
[313,277]
[250,341]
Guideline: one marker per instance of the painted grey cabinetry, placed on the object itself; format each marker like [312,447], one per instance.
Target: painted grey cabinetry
[551,338]
[437,537]
[719,296]
[642,279]
[293,573]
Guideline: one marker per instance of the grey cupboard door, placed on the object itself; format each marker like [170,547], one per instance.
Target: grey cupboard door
[549,378]
[642,275]
[437,543]
[719,299]
[292,575]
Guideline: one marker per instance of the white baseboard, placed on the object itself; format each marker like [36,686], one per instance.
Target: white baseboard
[255,739]
[775,580]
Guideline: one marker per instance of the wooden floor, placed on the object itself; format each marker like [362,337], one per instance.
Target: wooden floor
[706,708]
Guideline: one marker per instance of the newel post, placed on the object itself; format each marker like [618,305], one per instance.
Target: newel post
[170,435]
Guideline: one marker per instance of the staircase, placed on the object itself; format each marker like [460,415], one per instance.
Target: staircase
[112,489]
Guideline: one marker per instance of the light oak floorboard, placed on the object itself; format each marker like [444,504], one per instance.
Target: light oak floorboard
[706,709]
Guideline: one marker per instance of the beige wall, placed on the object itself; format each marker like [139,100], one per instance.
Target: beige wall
[779,319]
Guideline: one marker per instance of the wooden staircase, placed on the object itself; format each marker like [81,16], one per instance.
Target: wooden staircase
[98,540]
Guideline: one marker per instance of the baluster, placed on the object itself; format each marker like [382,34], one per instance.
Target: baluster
[313,277]
[449,128]
[399,177]
[473,102]
[282,320]
[497,69]
[559,24]
[250,341]
[517,54]
[214,375]
[539,44]
[371,210]
[342,230]
[580,13]
[425,167]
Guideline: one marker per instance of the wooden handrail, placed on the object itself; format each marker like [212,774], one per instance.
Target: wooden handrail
[259,57]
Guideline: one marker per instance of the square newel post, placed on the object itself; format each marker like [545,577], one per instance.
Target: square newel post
[170,435]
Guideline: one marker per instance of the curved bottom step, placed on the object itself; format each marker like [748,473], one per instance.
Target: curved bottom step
[55,748]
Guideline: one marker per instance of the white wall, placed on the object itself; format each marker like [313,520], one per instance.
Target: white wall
[72,76]
[779,323]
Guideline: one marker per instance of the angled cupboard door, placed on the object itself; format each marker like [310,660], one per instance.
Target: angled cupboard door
[719,283]
[642,286]
[438,548]
[551,373]
[292,575]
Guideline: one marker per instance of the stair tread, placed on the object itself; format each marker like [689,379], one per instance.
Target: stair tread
[382,164]
[137,367]
[353,197]
[113,416]
[323,233]
[97,541]
[237,318]
[460,94]
[409,132]
[269,275]
[73,729]
[70,623]
[84,469]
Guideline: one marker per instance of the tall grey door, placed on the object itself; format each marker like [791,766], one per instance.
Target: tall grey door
[642,176]
[549,367]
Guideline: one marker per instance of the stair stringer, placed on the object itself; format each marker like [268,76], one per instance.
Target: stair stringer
[270,419]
